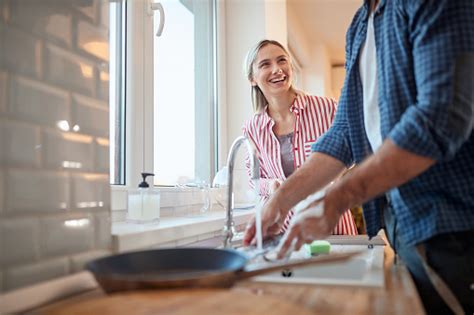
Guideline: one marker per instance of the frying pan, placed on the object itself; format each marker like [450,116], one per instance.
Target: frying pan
[186,267]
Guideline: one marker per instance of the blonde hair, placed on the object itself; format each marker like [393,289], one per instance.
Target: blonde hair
[258,99]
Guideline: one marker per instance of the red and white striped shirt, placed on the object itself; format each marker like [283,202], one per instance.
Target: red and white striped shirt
[314,115]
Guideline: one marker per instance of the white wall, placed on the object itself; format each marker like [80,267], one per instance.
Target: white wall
[338,74]
[317,73]
[276,21]
[246,22]
[313,57]
[297,42]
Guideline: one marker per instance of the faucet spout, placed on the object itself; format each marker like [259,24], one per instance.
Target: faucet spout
[229,229]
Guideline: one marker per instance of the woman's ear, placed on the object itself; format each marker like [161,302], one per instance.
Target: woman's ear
[253,82]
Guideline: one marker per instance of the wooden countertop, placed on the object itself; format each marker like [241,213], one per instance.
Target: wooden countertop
[398,297]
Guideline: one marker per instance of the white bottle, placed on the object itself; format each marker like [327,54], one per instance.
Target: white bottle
[143,203]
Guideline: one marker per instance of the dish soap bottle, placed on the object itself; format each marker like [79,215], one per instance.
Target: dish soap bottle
[143,203]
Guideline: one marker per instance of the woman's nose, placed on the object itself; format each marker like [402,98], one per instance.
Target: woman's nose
[277,70]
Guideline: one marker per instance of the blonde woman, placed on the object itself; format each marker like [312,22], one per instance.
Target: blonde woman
[286,122]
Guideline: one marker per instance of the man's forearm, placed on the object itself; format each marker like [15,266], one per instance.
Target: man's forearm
[390,167]
[317,172]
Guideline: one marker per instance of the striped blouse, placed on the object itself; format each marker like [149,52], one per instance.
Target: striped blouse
[314,115]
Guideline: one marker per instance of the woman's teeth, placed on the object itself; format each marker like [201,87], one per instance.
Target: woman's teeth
[277,80]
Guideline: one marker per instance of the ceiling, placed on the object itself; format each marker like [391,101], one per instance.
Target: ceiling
[326,21]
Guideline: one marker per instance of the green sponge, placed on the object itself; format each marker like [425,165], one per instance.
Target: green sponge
[319,247]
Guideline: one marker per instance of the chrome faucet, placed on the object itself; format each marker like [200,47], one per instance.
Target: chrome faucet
[229,229]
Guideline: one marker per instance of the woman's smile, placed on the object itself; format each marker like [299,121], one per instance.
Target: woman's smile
[279,79]
[272,70]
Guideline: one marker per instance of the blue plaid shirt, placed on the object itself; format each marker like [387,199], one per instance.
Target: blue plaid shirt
[425,73]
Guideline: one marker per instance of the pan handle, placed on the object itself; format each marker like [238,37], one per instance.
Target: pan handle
[261,268]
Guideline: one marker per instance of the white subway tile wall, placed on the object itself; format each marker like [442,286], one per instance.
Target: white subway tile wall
[90,11]
[2,145]
[36,191]
[102,155]
[2,185]
[78,261]
[3,91]
[66,234]
[20,51]
[68,70]
[21,141]
[38,103]
[102,230]
[54,166]
[92,40]
[89,190]
[50,22]
[103,88]
[92,116]
[23,275]
[64,150]
[24,233]
[104,13]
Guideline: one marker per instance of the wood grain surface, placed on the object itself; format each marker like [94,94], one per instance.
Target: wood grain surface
[181,302]
[399,296]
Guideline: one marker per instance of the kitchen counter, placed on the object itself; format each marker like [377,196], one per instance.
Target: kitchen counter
[398,297]
[173,231]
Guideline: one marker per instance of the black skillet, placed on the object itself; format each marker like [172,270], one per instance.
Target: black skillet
[186,267]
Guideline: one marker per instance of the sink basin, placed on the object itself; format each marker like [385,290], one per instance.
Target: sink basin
[365,269]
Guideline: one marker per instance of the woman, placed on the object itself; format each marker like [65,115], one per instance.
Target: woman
[286,121]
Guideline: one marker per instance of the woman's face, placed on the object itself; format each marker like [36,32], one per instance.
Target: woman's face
[272,71]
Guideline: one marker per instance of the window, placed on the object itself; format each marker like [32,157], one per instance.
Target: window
[183,92]
[162,92]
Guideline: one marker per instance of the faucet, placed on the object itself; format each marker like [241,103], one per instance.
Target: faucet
[229,229]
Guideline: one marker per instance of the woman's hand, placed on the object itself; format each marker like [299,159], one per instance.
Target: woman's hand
[274,185]
[272,222]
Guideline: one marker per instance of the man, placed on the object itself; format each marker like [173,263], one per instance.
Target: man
[405,118]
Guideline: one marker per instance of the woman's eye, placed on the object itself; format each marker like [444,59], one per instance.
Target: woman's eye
[263,65]
[283,61]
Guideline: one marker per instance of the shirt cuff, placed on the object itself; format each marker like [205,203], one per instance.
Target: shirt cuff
[336,145]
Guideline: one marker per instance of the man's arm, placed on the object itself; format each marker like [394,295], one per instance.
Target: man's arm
[390,167]
[442,118]
[318,171]
[315,174]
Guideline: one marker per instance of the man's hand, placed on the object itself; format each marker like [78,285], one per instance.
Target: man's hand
[316,221]
[319,170]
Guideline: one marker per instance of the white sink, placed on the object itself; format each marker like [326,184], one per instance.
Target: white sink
[365,269]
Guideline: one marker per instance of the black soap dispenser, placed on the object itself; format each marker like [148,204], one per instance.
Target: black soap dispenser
[143,203]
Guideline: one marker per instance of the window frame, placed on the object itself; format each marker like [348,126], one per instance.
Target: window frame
[117,95]
[139,101]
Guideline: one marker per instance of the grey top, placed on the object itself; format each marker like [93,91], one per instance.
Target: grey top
[287,156]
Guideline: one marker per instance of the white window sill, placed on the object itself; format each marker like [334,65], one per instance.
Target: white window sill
[173,200]
[173,231]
